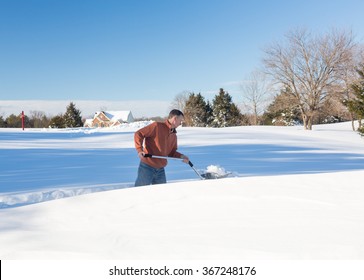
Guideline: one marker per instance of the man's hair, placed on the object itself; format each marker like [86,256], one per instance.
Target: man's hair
[175,112]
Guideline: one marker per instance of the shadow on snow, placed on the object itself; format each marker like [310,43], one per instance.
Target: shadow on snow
[50,170]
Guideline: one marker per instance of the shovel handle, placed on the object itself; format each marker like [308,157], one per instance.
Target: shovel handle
[153,156]
[189,162]
[163,157]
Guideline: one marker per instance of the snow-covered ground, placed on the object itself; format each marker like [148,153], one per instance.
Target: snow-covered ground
[292,194]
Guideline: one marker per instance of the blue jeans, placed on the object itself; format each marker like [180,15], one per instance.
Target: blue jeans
[148,175]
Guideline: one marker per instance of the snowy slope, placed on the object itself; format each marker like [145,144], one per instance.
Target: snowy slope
[294,194]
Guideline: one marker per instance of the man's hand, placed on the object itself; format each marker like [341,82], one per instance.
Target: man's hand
[141,155]
[185,159]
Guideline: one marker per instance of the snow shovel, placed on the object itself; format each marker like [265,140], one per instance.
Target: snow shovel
[203,176]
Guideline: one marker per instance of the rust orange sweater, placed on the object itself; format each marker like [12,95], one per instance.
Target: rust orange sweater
[158,139]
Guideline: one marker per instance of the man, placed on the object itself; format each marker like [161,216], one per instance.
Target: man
[158,139]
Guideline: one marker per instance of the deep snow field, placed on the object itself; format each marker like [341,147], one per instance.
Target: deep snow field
[292,195]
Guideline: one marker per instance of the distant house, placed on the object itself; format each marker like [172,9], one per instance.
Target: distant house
[109,119]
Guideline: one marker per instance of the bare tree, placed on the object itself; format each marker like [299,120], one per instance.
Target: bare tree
[309,65]
[38,119]
[256,94]
[179,102]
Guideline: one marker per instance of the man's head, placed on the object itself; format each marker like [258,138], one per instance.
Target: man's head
[175,118]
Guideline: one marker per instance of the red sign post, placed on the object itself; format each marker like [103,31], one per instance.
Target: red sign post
[22,119]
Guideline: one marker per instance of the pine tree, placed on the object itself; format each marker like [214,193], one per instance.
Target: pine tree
[209,113]
[72,117]
[2,122]
[283,110]
[225,113]
[196,111]
[57,122]
[13,121]
[356,105]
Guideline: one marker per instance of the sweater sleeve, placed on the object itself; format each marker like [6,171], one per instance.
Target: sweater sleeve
[177,154]
[174,152]
[141,134]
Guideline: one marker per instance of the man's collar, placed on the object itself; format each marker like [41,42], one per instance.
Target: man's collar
[171,129]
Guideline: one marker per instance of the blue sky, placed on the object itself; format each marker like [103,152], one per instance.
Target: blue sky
[142,50]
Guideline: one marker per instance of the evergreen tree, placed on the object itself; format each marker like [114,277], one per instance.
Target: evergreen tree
[356,105]
[13,121]
[2,122]
[225,113]
[209,113]
[72,117]
[196,111]
[57,122]
[283,110]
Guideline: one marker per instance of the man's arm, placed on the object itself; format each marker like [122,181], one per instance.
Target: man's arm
[140,135]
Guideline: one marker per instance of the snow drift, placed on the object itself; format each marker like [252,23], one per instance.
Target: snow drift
[294,194]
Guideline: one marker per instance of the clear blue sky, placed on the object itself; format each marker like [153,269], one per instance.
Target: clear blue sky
[139,49]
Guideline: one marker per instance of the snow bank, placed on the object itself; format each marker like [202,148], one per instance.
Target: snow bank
[292,217]
[25,198]
[296,195]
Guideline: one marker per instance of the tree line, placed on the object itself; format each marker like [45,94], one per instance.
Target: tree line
[37,119]
[284,110]
[222,112]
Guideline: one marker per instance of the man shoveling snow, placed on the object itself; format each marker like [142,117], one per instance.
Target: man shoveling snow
[156,143]
[158,138]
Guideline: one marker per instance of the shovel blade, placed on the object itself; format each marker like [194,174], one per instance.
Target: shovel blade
[213,175]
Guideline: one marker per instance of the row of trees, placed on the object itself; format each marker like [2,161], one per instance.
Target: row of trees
[223,112]
[37,119]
